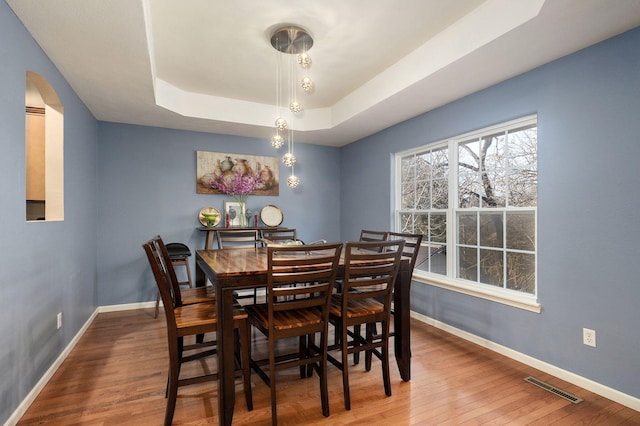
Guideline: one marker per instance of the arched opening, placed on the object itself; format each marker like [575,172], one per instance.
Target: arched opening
[44,130]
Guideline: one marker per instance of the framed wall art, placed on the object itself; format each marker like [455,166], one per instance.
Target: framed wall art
[235,212]
[213,166]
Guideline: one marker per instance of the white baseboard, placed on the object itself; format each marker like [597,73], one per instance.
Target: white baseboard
[127,306]
[31,396]
[590,385]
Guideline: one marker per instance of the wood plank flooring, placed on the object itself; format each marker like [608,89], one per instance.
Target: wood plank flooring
[116,375]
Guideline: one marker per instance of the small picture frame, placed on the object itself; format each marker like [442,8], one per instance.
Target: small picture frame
[234,213]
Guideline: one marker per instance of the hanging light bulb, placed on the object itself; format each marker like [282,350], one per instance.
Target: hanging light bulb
[295,106]
[277,141]
[307,84]
[289,159]
[293,181]
[304,60]
[281,123]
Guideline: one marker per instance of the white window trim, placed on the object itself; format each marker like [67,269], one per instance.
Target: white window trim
[482,291]
[507,297]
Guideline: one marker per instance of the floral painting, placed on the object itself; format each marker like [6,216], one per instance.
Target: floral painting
[237,175]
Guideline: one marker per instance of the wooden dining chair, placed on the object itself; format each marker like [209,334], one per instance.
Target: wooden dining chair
[278,236]
[240,239]
[179,254]
[370,273]
[294,310]
[184,296]
[192,320]
[412,244]
[411,249]
[373,236]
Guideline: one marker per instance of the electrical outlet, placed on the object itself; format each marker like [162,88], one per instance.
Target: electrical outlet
[589,337]
[59,319]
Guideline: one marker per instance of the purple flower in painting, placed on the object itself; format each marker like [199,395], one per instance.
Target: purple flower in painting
[236,185]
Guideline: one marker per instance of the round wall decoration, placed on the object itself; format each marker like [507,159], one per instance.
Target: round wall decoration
[209,212]
[271,215]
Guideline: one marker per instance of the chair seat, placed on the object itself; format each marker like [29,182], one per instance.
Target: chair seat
[198,295]
[201,316]
[178,251]
[355,308]
[290,319]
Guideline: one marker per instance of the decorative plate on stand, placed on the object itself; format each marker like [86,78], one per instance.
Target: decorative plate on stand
[206,211]
[271,215]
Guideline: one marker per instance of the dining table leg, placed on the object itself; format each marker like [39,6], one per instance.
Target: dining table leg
[225,338]
[401,324]
[226,366]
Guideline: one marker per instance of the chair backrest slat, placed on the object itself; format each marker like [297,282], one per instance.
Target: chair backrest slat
[170,270]
[237,238]
[412,244]
[371,268]
[301,277]
[163,281]
[370,236]
[278,236]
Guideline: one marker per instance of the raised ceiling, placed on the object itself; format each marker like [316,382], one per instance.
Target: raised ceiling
[208,66]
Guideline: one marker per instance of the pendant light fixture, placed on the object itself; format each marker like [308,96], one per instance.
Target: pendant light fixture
[295,42]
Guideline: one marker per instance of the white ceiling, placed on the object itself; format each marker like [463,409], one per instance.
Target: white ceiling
[207,65]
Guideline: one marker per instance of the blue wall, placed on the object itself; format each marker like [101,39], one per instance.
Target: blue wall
[147,186]
[588,107]
[50,267]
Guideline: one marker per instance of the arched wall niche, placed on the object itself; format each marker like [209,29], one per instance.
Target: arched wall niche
[44,142]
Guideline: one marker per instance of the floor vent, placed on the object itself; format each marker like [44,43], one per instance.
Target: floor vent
[553,389]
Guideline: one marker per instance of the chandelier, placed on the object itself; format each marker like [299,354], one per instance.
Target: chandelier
[295,42]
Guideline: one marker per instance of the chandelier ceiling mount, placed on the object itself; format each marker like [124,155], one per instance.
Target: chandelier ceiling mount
[291,39]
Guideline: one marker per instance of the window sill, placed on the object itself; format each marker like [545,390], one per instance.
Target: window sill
[525,302]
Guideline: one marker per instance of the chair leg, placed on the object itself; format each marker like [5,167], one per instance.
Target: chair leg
[304,344]
[345,369]
[356,355]
[245,348]
[385,359]
[186,265]
[367,356]
[324,388]
[172,386]
[371,331]
[272,383]
[157,304]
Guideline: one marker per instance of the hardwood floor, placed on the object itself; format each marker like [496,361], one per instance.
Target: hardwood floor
[117,374]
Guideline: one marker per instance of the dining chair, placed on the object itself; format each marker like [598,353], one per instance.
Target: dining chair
[240,239]
[411,249]
[192,320]
[412,244]
[179,254]
[370,273]
[278,236]
[372,236]
[184,296]
[294,310]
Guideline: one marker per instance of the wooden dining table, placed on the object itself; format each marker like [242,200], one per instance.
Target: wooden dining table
[235,269]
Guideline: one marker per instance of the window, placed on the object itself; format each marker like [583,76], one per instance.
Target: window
[474,199]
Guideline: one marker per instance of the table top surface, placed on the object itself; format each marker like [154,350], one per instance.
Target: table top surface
[240,261]
[244,261]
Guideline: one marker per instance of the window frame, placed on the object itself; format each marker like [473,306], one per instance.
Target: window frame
[449,281]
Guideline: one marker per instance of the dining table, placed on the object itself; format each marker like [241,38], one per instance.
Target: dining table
[230,270]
